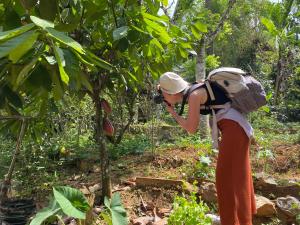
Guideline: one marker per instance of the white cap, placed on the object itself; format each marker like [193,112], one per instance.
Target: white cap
[172,83]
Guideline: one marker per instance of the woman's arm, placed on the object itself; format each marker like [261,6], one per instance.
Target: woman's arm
[190,124]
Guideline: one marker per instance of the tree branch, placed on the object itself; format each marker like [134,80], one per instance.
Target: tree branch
[212,35]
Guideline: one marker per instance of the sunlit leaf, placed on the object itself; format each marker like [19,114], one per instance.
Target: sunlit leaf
[23,47]
[59,55]
[120,32]
[41,23]
[15,32]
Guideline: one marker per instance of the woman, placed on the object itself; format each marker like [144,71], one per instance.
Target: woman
[233,174]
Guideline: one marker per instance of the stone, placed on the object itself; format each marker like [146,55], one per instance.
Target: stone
[289,205]
[264,206]
[208,192]
[215,219]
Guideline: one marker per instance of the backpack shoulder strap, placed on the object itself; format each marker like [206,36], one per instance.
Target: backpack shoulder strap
[187,93]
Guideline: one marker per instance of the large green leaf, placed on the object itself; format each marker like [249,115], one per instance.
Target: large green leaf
[45,214]
[41,23]
[159,30]
[15,32]
[58,89]
[7,47]
[270,26]
[71,201]
[59,55]
[155,18]
[97,61]
[25,71]
[23,47]
[63,38]
[72,68]
[201,26]
[116,209]
[120,32]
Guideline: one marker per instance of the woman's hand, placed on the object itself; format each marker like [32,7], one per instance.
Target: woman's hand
[170,109]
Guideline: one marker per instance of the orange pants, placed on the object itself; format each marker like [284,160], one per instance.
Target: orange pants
[233,176]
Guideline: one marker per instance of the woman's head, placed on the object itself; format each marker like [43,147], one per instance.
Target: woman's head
[172,86]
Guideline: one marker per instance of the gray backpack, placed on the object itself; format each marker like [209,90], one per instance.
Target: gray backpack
[245,92]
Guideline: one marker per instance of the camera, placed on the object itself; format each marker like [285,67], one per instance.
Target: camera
[158,98]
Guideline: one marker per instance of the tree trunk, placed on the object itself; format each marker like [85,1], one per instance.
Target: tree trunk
[100,141]
[7,181]
[278,76]
[200,76]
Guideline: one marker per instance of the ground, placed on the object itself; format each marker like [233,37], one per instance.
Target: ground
[170,163]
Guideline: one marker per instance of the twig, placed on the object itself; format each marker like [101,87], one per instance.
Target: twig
[144,205]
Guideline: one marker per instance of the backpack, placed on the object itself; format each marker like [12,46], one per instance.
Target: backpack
[246,93]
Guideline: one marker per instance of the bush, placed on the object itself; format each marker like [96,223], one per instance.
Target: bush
[130,145]
[188,212]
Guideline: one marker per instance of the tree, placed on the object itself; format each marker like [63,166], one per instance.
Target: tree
[283,26]
[43,60]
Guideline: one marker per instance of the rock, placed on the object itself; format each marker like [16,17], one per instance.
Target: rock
[267,186]
[95,188]
[264,206]
[215,219]
[289,205]
[263,180]
[208,192]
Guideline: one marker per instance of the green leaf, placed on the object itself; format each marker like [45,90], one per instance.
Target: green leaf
[165,3]
[25,71]
[7,47]
[270,26]
[59,55]
[58,90]
[15,32]
[183,52]
[200,26]
[155,42]
[159,30]
[195,32]
[97,61]
[23,47]
[71,201]
[41,23]
[155,18]
[106,217]
[45,213]
[63,38]
[118,213]
[120,32]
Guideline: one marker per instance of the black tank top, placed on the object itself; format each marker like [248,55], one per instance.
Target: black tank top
[220,97]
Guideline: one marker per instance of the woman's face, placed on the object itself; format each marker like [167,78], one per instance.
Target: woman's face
[172,98]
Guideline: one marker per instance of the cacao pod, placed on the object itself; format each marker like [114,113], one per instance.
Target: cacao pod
[108,127]
[105,106]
